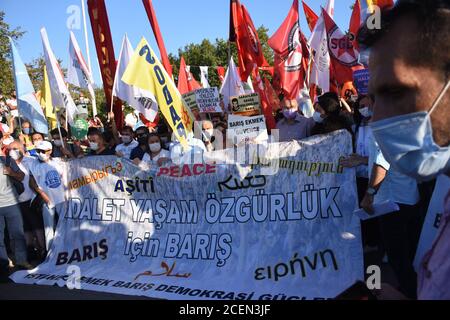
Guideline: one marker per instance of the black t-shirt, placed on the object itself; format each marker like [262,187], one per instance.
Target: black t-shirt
[137,153]
[106,152]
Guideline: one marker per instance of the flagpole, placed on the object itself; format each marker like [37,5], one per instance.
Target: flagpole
[20,123]
[59,127]
[86,36]
[112,91]
[94,102]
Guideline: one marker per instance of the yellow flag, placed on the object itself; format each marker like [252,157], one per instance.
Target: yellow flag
[146,72]
[46,102]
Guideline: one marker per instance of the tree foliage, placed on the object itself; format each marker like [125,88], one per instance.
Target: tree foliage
[6,77]
[214,55]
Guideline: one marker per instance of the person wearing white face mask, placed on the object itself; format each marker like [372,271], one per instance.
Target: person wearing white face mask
[156,156]
[328,115]
[293,126]
[10,211]
[208,136]
[97,143]
[46,179]
[411,117]
[360,160]
[62,148]
[128,144]
[32,219]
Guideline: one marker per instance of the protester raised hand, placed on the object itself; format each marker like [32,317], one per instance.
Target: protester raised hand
[354,160]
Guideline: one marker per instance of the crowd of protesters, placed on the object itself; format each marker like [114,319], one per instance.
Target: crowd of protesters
[32,186]
[33,160]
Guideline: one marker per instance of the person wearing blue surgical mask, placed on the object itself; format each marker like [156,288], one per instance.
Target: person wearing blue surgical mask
[293,126]
[25,136]
[360,160]
[411,121]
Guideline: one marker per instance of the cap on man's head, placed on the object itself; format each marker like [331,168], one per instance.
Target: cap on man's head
[44,146]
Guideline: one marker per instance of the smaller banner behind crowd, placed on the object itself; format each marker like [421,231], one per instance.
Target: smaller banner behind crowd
[282,230]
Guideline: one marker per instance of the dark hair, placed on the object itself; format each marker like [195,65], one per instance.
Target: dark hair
[95,132]
[154,135]
[433,23]
[41,134]
[127,128]
[330,103]
[235,100]
[145,128]
[108,136]
[55,132]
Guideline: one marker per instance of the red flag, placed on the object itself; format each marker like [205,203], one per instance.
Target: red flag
[311,16]
[221,73]
[265,104]
[268,69]
[105,54]
[159,39]
[243,32]
[147,122]
[291,54]
[186,81]
[272,96]
[344,57]
[355,23]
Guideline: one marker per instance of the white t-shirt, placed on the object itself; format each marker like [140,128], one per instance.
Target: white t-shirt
[154,161]
[192,155]
[25,165]
[126,149]
[49,177]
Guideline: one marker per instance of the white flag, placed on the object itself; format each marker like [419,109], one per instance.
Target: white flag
[78,72]
[232,84]
[320,68]
[204,77]
[248,86]
[140,100]
[60,94]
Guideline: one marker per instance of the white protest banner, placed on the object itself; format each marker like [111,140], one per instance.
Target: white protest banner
[246,129]
[246,105]
[208,100]
[433,219]
[200,232]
